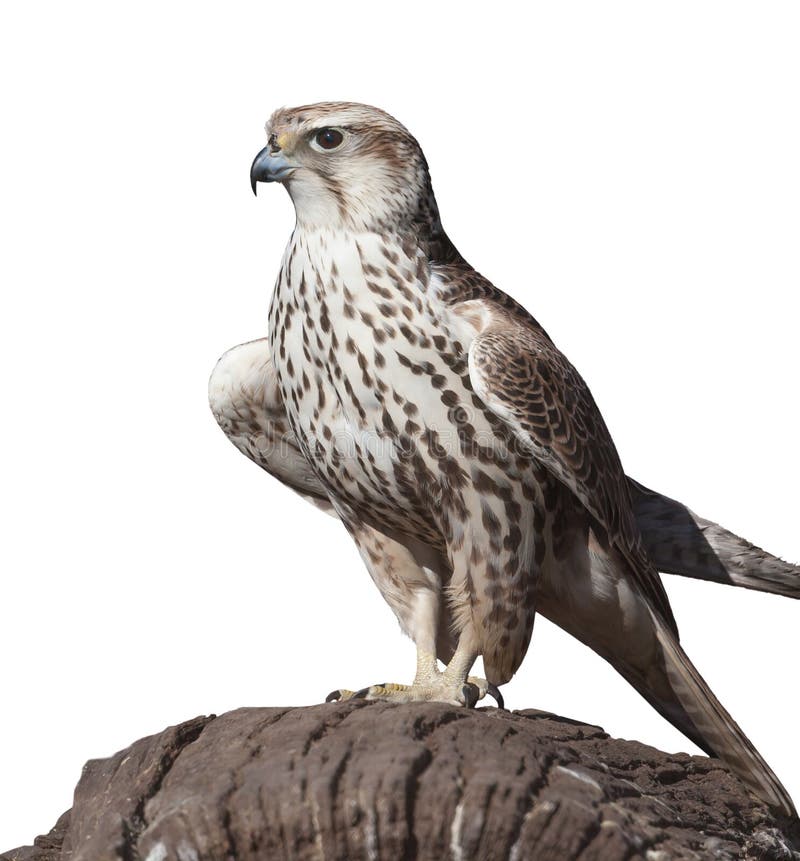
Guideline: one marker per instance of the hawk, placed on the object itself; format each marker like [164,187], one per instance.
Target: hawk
[402,392]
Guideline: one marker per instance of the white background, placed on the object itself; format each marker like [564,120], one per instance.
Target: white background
[628,170]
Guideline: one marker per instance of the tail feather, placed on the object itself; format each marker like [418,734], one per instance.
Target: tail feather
[695,710]
[603,607]
[680,542]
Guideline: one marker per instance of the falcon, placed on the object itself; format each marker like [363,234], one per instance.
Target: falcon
[403,393]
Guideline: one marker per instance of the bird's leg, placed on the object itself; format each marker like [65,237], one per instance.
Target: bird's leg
[427,668]
[453,685]
[456,673]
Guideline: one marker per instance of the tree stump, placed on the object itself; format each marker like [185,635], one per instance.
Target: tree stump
[360,780]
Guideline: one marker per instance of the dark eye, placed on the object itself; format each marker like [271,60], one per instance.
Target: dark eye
[329,138]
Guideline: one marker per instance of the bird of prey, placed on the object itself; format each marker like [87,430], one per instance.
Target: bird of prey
[402,392]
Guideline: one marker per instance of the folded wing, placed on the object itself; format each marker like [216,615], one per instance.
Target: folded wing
[525,380]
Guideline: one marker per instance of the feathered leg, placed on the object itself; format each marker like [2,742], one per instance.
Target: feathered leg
[410,576]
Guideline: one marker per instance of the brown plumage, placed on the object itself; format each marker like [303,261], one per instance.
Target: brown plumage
[461,450]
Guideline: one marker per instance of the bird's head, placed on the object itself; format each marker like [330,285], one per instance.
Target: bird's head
[347,165]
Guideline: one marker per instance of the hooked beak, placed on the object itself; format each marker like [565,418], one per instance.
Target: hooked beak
[269,166]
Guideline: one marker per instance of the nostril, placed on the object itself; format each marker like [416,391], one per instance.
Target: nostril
[272,143]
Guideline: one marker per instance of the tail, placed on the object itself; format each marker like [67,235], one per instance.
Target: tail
[676,690]
[602,605]
[680,542]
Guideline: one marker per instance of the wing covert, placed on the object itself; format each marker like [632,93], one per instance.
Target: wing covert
[525,380]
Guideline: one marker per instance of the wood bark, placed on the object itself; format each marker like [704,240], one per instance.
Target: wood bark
[362,780]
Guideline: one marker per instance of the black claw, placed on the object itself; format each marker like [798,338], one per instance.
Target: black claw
[471,694]
[493,691]
[333,696]
[361,695]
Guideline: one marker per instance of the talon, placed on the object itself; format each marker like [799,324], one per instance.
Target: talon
[333,697]
[471,694]
[493,691]
[361,695]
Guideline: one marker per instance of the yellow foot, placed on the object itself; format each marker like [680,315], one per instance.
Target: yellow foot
[435,690]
